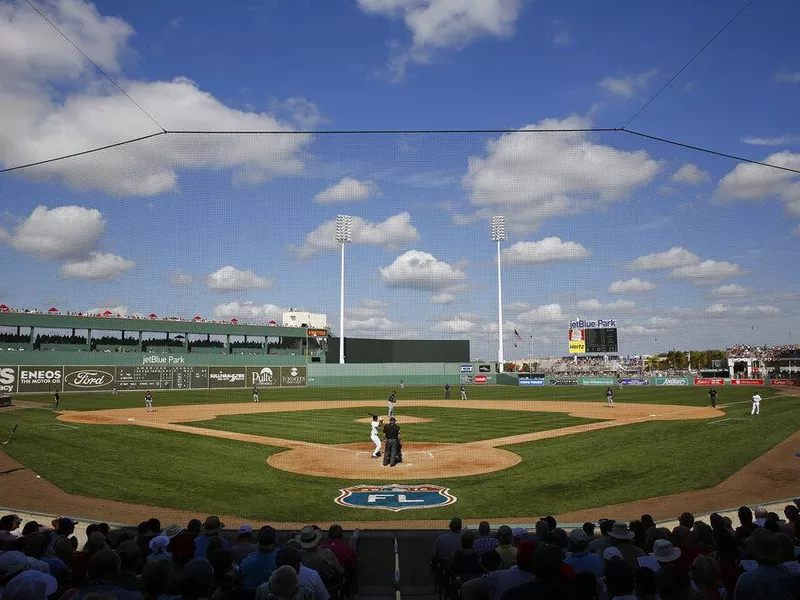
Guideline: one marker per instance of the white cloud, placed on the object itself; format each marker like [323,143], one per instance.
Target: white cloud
[301,111]
[371,303]
[590,304]
[369,318]
[628,87]
[673,258]
[518,306]
[62,232]
[98,266]
[229,278]
[781,140]
[393,233]
[347,190]
[248,311]
[731,291]
[691,174]
[549,313]
[631,286]
[441,24]
[455,325]
[443,298]
[723,310]
[421,271]
[707,272]
[550,249]
[621,305]
[638,330]
[663,322]
[53,103]
[788,77]
[180,279]
[753,182]
[536,176]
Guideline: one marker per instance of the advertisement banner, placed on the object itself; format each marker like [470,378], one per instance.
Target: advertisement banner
[466,368]
[672,381]
[634,381]
[709,381]
[227,377]
[8,380]
[784,382]
[577,347]
[598,381]
[88,379]
[531,381]
[564,382]
[480,379]
[465,379]
[263,377]
[484,368]
[39,379]
[293,376]
[747,382]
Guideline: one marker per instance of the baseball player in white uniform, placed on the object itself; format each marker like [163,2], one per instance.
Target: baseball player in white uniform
[756,410]
[373,435]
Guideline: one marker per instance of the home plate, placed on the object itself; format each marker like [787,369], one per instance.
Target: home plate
[653,415]
[131,419]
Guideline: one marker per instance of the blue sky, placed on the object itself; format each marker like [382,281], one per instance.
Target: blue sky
[683,248]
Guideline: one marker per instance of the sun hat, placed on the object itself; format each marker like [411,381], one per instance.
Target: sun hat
[620,531]
[612,553]
[664,551]
[765,545]
[13,562]
[518,532]
[160,542]
[213,525]
[579,537]
[245,529]
[171,531]
[309,537]
[30,585]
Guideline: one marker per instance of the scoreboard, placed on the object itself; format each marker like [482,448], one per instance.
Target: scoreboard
[158,377]
[601,341]
[593,337]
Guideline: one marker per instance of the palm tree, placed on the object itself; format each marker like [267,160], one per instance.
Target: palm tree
[653,362]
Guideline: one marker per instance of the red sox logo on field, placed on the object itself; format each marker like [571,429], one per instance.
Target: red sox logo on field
[395,497]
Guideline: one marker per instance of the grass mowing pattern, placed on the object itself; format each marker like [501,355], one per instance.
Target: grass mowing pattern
[448,425]
[682,396]
[208,475]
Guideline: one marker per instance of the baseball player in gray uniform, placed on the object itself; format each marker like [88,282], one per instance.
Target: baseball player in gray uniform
[392,401]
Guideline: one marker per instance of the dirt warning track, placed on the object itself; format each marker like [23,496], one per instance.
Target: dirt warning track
[421,460]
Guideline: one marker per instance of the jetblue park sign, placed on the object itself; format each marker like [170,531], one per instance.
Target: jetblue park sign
[598,323]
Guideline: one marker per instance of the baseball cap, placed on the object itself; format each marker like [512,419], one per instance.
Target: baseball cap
[548,556]
[30,585]
[13,562]
[159,542]
[612,554]
[245,529]
[266,536]
[578,536]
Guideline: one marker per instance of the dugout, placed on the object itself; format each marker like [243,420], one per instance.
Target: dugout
[364,350]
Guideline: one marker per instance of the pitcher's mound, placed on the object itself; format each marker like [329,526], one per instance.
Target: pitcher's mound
[420,461]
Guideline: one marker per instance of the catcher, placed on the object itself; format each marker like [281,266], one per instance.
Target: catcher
[373,435]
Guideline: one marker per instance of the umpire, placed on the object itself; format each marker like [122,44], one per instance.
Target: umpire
[392,451]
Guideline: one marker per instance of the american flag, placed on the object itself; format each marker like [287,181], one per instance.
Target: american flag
[517,336]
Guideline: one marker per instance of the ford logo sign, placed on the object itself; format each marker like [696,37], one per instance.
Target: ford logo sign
[89,379]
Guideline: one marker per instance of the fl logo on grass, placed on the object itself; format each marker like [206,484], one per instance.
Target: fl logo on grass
[395,497]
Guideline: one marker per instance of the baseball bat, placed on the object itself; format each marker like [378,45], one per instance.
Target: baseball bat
[13,431]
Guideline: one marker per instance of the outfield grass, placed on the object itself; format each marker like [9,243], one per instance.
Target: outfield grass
[337,426]
[688,396]
[208,475]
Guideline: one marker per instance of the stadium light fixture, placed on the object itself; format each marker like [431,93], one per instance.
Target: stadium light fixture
[344,235]
[498,235]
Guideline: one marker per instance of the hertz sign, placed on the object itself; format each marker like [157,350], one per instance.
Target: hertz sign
[317,333]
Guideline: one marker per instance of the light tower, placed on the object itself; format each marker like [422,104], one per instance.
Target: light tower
[344,234]
[498,235]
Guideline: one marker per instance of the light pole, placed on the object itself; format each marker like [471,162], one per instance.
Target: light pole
[498,235]
[344,234]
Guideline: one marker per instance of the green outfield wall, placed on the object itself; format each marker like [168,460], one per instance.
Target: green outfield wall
[368,351]
[390,374]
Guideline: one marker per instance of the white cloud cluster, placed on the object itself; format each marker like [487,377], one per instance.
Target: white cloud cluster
[458,324]
[731,291]
[781,140]
[536,176]
[673,258]
[347,190]
[248,311]
[628,87]
[114,309]
[550,249]
[687,266]
[179,279]
[100,266]
[724,310]
[754,182]
[631,286]
[421,271]
[548,313]
[69,233]
[370,319]
[691,174]
[395,232]
[52,103]
[443,298]
[440,24]
[788,77]
[229,279]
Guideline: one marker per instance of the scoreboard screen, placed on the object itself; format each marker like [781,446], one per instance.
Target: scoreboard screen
[601,340]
